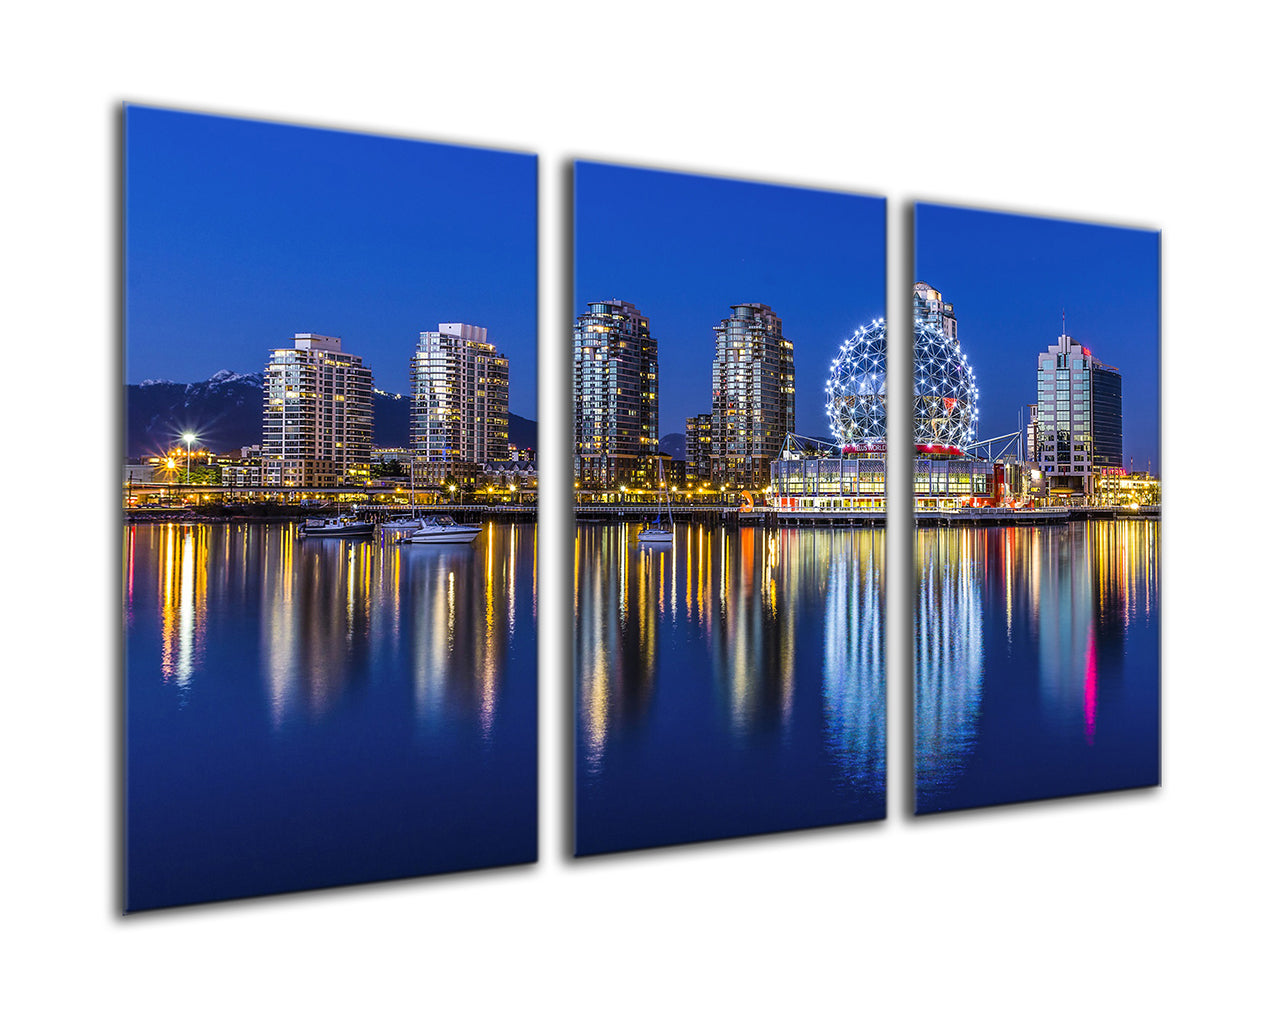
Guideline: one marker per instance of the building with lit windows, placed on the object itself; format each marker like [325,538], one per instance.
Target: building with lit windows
[1115,487]
[458,383]
[615,397]
[1079,431]
[849,473]
[813,476]
[317,415]
[933,311]
[697,449]
[753,396]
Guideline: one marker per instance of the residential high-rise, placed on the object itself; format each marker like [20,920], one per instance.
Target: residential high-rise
[931,309]
[615,397]
[697,449]
[753,396]
[1078,418]
[317,415]
[459,386]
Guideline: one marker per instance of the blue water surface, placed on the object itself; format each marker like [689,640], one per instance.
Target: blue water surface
[1037,662]
[730,682]
[303,713]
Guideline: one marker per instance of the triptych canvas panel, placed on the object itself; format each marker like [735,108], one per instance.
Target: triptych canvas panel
[330,347]
[331,494]
[730,673]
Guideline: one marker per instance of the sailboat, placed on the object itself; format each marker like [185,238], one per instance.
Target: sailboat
[656,532]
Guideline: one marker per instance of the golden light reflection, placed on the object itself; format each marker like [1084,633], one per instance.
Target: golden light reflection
[631,598]
[184,591]
[616,650]
[327,614]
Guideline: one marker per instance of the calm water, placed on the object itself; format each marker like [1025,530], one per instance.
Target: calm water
[1037,662]
[307,713]
[729,683]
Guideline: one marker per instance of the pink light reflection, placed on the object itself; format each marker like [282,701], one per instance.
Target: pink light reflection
[1090,687]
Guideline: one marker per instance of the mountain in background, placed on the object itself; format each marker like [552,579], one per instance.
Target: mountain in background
[673,444]
[225,413]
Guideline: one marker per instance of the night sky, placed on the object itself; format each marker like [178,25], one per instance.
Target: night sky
[684,248]
[1010,278]
[240,234]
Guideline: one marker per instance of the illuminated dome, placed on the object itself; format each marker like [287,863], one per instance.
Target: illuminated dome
[855,390]
[946,391]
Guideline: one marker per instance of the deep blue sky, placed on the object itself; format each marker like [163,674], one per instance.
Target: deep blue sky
[685,248]
[239,234]
[1010,278]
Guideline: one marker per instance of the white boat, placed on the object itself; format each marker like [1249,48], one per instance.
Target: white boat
[440,528]
[411,522]
[401,525]
[657,532]
[313,528]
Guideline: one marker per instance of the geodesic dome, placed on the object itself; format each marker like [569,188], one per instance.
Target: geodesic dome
[855,390]
[946,390]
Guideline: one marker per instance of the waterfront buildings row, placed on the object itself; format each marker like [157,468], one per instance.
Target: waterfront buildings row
[616,387]
[1074,436]
[317,418]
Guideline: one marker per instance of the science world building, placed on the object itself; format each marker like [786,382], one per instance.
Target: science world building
[848,471]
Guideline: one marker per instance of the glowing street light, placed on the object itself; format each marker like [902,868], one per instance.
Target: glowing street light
[190,438]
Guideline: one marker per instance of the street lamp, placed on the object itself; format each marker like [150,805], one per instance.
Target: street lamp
[190,438]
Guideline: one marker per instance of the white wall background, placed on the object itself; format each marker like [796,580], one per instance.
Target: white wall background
[1140,904]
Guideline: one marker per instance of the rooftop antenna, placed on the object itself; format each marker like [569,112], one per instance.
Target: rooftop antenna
[1064,320]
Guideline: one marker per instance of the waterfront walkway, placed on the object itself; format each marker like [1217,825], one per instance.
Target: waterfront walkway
[860,518]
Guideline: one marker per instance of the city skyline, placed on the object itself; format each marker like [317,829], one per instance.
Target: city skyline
[1010,278]
[686,249]
[241,234]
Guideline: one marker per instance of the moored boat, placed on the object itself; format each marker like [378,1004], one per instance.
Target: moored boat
[657,532]
[440,528]
[401,525]
[316,528]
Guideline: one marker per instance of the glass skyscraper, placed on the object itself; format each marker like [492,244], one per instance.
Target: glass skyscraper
[1078,417]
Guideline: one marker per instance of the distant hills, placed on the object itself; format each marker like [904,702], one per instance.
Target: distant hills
[225,412]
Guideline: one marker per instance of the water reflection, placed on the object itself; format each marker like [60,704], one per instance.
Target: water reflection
[948,651]
[329,612]
[853,671]
[305,713]
[728,651]
[1024,640]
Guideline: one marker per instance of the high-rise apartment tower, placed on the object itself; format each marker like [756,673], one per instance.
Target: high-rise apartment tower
[615,397]
[697,449]
[317,415]
[753,396]
[459,416]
